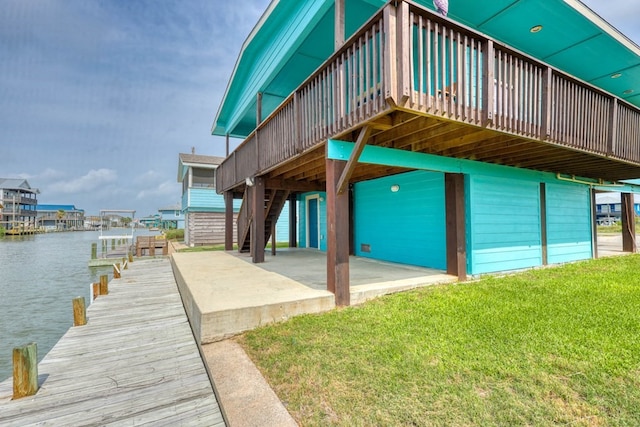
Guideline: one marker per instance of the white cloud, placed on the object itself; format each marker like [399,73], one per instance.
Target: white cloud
[163,193]
[91,181]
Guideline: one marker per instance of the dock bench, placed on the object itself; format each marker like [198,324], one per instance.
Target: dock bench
[147,245]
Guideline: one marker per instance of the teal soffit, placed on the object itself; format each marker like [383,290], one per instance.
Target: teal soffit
[294,37]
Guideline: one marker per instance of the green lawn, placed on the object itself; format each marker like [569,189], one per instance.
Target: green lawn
[555,346]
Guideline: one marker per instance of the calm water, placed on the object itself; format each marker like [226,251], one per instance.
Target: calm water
[39,276]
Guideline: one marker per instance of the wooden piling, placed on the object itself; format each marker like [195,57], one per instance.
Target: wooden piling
[25,371]
[113,244]
[104,285]
[130,257]
[95,288]
[94,251]
[79,312]
[116,270]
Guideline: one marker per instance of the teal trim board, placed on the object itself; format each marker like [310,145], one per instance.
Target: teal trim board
[401,218]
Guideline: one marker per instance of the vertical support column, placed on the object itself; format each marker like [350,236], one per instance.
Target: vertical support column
[257,225]
[543,223]
[594,224]
[337,235]
[456,225]
[391,54]
[293,222]
[228,221]
[628,224]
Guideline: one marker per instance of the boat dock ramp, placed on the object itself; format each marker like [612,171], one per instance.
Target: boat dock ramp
[135,362]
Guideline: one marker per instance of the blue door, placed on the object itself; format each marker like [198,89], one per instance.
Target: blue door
[312,222]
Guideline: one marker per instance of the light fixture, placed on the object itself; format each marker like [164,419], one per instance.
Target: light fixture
[628,92]
[616,75]
[536,29]
[250,181]
[395,188]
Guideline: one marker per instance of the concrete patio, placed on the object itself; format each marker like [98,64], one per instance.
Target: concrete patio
[225,294]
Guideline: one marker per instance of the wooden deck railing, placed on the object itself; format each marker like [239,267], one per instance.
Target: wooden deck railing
[408,57]
[348,89]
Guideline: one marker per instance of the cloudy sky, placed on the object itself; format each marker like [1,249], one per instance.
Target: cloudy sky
[97,98]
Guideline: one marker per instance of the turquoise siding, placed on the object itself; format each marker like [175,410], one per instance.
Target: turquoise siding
[302,220]
[282,226]
[207,200]
[568,223]
[503,224]
[406,226]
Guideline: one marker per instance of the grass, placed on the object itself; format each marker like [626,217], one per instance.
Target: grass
[556,346]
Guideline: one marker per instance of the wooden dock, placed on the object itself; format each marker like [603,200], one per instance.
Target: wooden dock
[134,363]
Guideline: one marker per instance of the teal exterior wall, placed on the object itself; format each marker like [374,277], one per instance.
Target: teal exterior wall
[569,222]
[503,209]
[406,226]
[503,223]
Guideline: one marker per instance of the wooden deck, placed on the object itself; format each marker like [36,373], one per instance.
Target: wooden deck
[134,363]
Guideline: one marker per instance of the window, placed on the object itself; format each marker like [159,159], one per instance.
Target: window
[203,178]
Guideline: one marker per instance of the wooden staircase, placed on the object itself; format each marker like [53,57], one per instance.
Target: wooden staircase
[274,201]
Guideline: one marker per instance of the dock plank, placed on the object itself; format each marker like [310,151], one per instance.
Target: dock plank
[134,363]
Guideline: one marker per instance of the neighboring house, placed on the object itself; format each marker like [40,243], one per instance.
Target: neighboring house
[60,217]
[472,143]
[151,221]
[18,203]
[203,208]
[171,217]
[609,208]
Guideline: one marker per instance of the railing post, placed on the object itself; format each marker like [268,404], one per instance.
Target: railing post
[391,55]
[404,28]
[489,87]
[612,134]
[547,103]
[25,370]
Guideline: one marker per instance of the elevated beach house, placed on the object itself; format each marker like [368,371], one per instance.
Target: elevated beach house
[60,217]
[171,217]
[472,142]
[18,203]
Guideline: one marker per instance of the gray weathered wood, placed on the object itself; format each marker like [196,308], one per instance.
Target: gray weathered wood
[135,362]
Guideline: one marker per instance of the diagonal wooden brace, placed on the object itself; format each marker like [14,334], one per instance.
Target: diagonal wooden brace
[353,159]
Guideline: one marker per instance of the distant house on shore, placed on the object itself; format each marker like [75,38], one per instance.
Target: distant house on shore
[609,207]
[203,208]
[18,203]
[60,217]
[171,217]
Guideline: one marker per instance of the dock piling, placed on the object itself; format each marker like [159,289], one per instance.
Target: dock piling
[79,312]
[104,284]
[116,270]
[94,251]
[25,371]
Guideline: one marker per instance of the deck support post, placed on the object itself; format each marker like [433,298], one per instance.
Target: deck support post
[337,235]
[594,225]
[543,223]
[79,311]
[293,219]
[456,225]
[228,221]
[628,223]
[104,284]
[258,223]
